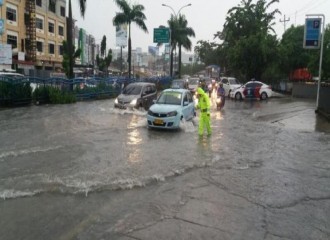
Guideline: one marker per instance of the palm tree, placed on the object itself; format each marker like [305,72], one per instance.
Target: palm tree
[129,15]
[180,34]
[82,5]
[182,37]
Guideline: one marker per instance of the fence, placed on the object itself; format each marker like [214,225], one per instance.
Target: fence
[25,90]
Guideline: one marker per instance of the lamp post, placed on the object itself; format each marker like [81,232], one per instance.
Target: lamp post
[175,14]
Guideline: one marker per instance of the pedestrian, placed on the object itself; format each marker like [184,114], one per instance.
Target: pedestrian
[204,106]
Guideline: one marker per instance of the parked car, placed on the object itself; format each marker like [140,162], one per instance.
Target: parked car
[136,95]
[171,107]
[252,89]
[229,84]
[179,83]
[13,76]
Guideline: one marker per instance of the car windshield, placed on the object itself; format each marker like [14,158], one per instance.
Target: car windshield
[233,81]
[194,81]
[178,84]
[172,98]
[132,90]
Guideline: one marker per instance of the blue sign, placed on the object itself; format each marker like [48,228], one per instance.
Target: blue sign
[1,2]
[312,34]
[2,26]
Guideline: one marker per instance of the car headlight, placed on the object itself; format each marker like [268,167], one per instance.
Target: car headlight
[150,113]
[172,114]
[133,102]
[116,101]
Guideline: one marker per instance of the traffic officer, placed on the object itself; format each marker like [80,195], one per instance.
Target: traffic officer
[205,118]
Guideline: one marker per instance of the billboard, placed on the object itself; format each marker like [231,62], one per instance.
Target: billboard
[6,56]
[153,50]
[121,35]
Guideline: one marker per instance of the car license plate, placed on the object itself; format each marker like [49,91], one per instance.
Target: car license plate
[158,121]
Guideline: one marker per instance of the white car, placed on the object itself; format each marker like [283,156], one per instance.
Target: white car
[193,84]
[229,84]
[252,89]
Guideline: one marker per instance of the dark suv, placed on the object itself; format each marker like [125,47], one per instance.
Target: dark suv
[136,95]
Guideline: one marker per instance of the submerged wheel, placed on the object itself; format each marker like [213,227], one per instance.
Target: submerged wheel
[238,96]
[263,96]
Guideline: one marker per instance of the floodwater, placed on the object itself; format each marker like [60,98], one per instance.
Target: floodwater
[59,162]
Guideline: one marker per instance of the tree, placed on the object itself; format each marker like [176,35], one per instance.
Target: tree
[82,5]
[67,57]
[130,14]
[247,42]
[103,45]
[182,35]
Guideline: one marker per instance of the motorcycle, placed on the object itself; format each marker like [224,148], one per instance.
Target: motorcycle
[220,101]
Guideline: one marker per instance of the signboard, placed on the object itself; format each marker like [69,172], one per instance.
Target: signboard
[167,51]
[121,35]
[1,2]
[312,33]
[2,26]
[161,35]
[6,54]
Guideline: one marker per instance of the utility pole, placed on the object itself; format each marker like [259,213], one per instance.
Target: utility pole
[284,22]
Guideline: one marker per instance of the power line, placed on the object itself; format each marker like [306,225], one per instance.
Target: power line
[284,21]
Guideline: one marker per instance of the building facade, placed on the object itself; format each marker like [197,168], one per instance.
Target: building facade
[35,29]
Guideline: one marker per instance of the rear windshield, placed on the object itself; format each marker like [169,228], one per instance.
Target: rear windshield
[233,81]
[194,81]
[132,90]
[172,98]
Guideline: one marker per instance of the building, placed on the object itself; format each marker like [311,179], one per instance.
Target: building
[35,29]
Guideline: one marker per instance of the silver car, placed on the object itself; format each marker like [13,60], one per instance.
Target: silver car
[137,95]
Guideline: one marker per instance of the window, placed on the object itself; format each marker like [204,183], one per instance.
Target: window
[39,23]
[63,11]
[39,3]
[52,6]
[11,14]
[51,48]
[61,30]
[51,27]
[12,40]
[60,50]
[40,46]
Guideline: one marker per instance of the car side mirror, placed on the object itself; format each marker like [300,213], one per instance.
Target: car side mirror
[185,103]
[154,101]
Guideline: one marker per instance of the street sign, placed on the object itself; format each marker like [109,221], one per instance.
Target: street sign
[161,35]
[312,33]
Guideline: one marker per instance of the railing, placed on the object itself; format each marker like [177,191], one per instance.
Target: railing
[25,90]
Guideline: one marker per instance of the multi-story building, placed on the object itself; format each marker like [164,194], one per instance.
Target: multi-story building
[35,29]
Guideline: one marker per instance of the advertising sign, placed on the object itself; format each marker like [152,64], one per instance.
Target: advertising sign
[312,33]
[153,50]
[121,35]
[6,54]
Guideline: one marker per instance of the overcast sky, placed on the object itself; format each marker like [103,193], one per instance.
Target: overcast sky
[206,17]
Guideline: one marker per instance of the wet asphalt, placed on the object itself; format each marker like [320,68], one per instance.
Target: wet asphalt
[89,171]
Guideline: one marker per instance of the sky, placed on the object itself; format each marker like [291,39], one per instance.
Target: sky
[206,17]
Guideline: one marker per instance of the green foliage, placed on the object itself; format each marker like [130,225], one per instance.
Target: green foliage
[66,57]
[54,95]
[15,93]
[103,45]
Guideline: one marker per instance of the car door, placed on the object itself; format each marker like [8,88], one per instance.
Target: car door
[226,85]
[188,108]
[249,90]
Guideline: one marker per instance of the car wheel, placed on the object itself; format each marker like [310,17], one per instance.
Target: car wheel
[263,96]
[229,93]
[238,96]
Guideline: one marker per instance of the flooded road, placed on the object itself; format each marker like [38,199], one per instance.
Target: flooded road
[89,171]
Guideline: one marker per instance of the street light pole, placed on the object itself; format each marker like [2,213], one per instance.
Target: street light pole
[176,16]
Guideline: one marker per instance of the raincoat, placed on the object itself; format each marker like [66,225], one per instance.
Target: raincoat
[204,105]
